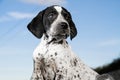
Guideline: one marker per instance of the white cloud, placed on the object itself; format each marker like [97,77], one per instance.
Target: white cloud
[16,15]
[45,2]
[109,43]
[20,15]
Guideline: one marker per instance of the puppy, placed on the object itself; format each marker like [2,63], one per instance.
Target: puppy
[53,57]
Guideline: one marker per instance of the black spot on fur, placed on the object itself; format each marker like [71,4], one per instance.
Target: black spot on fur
[55,53]
[60,77]
[37,69]
[51,55]
[37,58]
[57,71]
[60,62]
[48,65]
[74,76]
[75,62]
[78,75]
[38,54]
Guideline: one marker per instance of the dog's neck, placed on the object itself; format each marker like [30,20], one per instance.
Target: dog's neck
[50,40]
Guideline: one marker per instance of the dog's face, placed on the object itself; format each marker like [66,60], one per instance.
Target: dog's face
[55,22]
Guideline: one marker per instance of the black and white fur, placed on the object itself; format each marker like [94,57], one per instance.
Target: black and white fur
[53,57]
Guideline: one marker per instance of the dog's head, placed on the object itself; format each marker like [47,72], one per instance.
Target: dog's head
[55,21]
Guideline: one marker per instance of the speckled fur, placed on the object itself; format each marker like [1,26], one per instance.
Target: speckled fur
[57,62]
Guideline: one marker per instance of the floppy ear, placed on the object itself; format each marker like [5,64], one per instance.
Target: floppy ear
[36,25]
[73,30]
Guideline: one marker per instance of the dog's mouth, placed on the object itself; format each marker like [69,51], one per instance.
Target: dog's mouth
[57,38]
[60,36]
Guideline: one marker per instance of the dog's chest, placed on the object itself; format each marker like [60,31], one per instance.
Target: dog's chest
[52,51]
[59,60]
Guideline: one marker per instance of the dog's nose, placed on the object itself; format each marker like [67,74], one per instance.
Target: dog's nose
[64,25]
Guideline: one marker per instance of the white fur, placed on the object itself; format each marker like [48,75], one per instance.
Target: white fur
[58,8]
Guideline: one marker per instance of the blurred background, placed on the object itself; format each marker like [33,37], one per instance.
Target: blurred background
[97,42]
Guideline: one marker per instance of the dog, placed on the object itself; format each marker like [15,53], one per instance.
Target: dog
[53,57]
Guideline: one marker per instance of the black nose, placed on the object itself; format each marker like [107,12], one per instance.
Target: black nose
[64,25]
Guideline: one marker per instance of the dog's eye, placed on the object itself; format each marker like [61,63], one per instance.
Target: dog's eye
[50,15]
[67,17]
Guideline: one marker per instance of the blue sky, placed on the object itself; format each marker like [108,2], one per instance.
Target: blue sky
[97,42]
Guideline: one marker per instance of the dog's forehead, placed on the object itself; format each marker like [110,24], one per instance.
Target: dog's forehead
[58,8]
[53,9]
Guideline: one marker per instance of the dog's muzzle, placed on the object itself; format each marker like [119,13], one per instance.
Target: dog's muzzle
[64,25]
[61,31]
